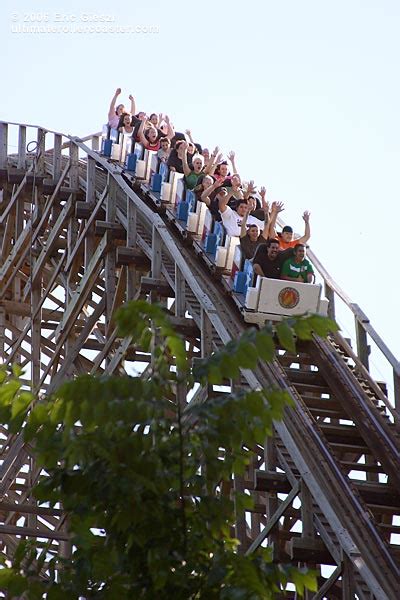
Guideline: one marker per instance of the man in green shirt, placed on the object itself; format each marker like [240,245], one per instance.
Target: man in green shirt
[298,268]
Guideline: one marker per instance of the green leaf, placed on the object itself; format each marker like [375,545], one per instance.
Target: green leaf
[285,336]
[56,593]
[265,346]
[13,582]
[303,329]
[20,404]
[17,370]
[322,325]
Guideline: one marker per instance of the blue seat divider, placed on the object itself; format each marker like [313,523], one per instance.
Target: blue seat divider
[155,183]
[131,160]
[163,171]
[114,135]
[106,148]
[191,200]
[139,151]
[211,243]
[219,230]
[239,282]
[183,211]
[248,270]
[244,279]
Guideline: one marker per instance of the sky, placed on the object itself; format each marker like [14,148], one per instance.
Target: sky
[306,93]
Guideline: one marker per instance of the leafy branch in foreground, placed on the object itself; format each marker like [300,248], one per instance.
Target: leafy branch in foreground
[147,487]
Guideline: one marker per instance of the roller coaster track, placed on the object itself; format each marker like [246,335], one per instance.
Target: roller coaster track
[78,239]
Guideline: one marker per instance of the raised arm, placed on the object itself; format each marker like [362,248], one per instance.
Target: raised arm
[265,207]
[263,194]
[186,168]
[307,231]
[276,208]
[141,135]
[111,110]
[223,202]
[214,160]
[243,231]
[133,105]
[231,157]
[205,196]
[171,131]
[250,189]
[189,135]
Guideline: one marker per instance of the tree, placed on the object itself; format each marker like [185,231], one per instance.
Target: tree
[143,481]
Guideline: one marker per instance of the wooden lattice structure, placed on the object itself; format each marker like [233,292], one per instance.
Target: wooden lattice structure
[78,238]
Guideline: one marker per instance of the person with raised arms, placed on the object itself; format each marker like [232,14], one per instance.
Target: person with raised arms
[115,112]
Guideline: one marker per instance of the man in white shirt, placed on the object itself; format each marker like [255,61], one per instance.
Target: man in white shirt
[232,219]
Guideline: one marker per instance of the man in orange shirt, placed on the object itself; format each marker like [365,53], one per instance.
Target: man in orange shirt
[286,237]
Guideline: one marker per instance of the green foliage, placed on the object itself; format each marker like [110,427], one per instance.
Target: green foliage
[147,490]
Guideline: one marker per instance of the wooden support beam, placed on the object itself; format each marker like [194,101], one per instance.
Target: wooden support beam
[326,587]
[159,287]
[3,146]
[33,532]
[240,516]
[15,175]
[271,481]
[77,301]
[116,230]
[39,165]
[55,233]
[14,261]
[109,262]
[363,348]
[348,587]
[186,327]
[74,170]
[133,257]
[180,306]
[57,156]
[14,197]
[22,508]
[83,210]
[21,309]
[132,279]
[77,345]
[83,237]
[307,521]
[22,147]
[312,550]
[274,519]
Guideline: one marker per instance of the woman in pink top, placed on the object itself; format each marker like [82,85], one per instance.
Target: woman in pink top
[115,112]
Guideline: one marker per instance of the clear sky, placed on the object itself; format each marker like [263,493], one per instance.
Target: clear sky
[306,92]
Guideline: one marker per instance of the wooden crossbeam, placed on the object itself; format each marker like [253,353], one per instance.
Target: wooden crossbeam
[88,225]
[51,240]
[15,259]
[272,522]
[159,287]
[35,533]
[14,197]
[304,549]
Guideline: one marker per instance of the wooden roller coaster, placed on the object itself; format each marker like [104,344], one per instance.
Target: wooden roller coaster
[78,239]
